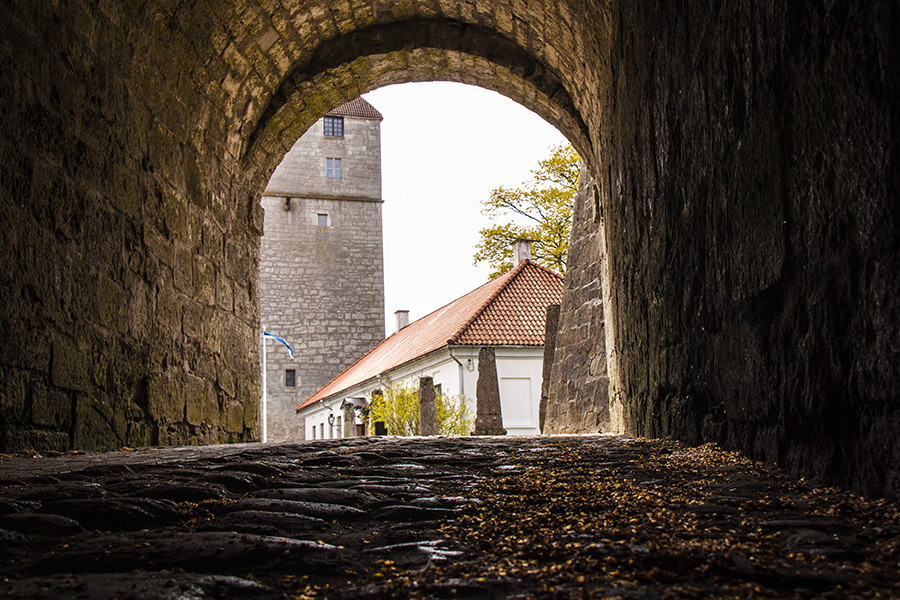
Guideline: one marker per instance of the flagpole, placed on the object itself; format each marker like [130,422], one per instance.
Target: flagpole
[264,391]
[263,335]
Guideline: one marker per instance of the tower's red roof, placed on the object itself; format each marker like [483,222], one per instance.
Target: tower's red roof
[356,108]
[508,311]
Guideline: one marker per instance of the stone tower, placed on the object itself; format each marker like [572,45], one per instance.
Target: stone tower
[321,263]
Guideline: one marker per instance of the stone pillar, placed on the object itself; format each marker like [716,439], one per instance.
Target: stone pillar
[428,420]
[488,417]
[551,324]
[349,420]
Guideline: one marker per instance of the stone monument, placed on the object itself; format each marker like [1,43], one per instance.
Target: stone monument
[428,419]
[550,327]
[488,418]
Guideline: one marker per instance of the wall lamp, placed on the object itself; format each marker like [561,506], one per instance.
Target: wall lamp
[331,419]
[470,366]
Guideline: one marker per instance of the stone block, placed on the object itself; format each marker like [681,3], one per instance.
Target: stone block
[51,408]
[233,420]
[93,431]
[18,439]
[226,380]
[173,435]
[157,396]
[183,269]
[257,218]
[212,244]
[112,304]
[129,196]
[201,401]
[13,388]
[237,261]
[243,306]
[138,434]
[166,398]
[138,317]
[204,281]
[194,184]
[224,292]
[250,401]
[71,364]
[176,217]
[168,304]
[160,246]
[193,319]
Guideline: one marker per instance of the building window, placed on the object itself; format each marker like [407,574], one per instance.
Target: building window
[334,126]
[290,378]
[333,168]
[322,219]
[437,389]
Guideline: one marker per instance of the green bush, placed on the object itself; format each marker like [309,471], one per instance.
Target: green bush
[398,408]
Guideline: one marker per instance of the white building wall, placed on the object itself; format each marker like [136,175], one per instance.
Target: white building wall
[519,370]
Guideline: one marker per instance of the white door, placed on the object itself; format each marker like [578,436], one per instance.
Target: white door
[516,403]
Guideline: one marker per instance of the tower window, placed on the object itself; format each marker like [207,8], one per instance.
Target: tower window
[290,378]
[334,126]
[333,168]
[322,220]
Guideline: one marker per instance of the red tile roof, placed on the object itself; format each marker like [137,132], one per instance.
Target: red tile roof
[510,310]
[356,108]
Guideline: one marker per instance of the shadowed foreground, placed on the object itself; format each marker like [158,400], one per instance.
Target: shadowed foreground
[543,517]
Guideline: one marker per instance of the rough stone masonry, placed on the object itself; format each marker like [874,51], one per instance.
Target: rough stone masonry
[745,156]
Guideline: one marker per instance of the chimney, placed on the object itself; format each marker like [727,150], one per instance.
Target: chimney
[521,251]
[402,318]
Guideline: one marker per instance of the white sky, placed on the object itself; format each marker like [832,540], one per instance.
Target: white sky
[444,147]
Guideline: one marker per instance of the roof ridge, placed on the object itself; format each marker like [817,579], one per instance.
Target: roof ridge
[454,301]
[510,275]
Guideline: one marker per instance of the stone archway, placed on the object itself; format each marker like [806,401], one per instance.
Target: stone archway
[194,105]
[745,161]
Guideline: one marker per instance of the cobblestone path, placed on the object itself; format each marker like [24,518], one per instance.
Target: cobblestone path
[536,517]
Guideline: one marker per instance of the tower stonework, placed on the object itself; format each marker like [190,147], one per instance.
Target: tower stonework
[321,259]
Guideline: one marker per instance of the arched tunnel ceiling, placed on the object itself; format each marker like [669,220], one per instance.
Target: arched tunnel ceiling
[287,64]
[350,65]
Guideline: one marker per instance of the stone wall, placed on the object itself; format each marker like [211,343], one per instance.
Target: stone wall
[579,385]
[750,194]
[128,300]
[302,171]
[322,290]
[138,138]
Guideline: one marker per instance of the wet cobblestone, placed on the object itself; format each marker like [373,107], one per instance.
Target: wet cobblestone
[535,517]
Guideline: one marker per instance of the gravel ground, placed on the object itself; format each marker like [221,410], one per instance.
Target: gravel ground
[594,516]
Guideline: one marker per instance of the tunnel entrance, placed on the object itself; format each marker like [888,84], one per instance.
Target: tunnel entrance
[438,153]
[744,159]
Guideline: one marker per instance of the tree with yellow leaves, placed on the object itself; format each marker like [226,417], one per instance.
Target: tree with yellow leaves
[540,210]
[398,408]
